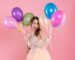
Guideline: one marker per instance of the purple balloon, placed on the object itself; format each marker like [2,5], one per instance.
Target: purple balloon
[17,14]
[57,18]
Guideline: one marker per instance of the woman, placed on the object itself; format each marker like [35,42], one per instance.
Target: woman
[37,41]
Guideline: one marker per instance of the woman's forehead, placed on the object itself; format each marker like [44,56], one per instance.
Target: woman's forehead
[35,20]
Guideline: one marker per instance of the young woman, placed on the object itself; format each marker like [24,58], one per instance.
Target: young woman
[37,41]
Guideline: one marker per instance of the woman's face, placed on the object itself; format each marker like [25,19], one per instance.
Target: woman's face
[35,24]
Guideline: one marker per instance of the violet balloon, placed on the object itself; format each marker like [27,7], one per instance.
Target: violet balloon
[17,14]
[57,18]
[10,22]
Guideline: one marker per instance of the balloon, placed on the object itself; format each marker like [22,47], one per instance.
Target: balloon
[17,14]
[10,23]
[49,9]
[27,18]
[58,18]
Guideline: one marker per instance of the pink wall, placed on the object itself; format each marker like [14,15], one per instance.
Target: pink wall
[12,46]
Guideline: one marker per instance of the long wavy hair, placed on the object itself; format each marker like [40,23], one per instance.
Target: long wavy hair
[38,29]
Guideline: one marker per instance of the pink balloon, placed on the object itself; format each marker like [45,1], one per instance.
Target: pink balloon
[10,22]
[57,18]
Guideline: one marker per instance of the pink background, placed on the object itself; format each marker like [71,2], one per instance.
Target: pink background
[12,46]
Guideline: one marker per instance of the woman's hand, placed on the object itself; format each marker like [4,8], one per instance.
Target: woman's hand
[20,28]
